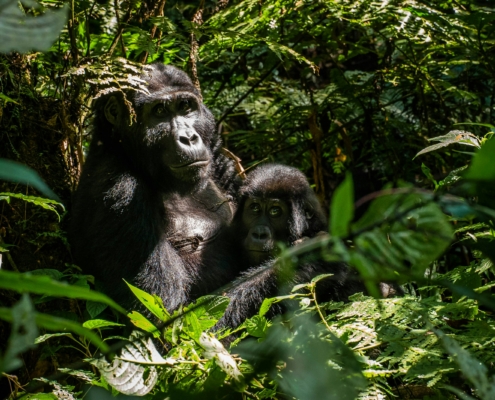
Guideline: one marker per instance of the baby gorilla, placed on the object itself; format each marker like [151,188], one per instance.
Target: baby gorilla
[276,204]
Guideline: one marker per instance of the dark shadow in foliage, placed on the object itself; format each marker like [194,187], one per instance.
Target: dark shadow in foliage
[306,360]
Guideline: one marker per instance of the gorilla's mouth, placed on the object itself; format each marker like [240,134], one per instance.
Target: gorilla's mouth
[191,164]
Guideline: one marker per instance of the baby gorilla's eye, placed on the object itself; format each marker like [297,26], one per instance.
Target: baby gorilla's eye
[275,211]
[255,207]
[185,106]
[159,110]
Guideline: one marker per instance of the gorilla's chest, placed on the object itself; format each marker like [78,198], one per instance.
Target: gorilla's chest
[193,221]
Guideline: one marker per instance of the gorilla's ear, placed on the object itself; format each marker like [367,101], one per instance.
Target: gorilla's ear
[113,110]
[309,212]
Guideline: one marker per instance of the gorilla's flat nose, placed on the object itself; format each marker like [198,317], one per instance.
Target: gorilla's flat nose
[261,233]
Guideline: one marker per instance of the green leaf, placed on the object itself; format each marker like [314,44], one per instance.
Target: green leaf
[474,370]
[482,167]
[23,333]
[94,308]
[7,99]
[44,338]
[428,174]
[476,124]
[257,326]
[453,137]
[318,363]
[265,306]
[143,323]
[24,33]
[44,285]
[39,396]
[267,303]
[192,326]
[133,373]
[342,208]
[399,232]
[99,323]
[214,350]
[52,323]
[208,309]
[19,173]
[320,277]
[47,204]
[151,302]
[50,272]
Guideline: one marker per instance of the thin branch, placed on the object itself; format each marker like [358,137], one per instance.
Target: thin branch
[120,30]
[121,40]
[260,81]
[154,29]
[72,35]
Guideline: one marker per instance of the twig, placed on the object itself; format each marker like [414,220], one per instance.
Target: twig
[159,13]
[121,40]
[238,166]
[260,81]
[72,35]
[320,313]
[193,54]
[120,30]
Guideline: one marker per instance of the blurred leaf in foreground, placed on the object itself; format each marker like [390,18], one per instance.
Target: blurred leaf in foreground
[23,33]
[308,362]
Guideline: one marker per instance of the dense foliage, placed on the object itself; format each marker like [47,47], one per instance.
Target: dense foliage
[350,92]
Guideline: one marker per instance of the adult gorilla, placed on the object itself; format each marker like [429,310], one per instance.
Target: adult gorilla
[153,198]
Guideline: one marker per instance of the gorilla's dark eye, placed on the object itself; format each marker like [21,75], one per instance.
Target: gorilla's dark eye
[185,106]
[255,207]
[275,211]
[159,110]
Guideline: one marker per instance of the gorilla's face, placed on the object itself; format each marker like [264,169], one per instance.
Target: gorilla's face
[173,127]
[265,222]
[171,138]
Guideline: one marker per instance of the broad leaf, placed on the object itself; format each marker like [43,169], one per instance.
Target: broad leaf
[482,167]
[99,323]
[151,302]
[214,350]
[400,232]
[47,204]
[19,173]
[143,323]
[46,286]
[134,372]
[23,333]
[342,208]
[24,33]
[53,323]
[453,137]
[475,371]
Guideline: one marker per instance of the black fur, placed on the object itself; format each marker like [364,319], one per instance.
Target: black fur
[306,219]
[138,214]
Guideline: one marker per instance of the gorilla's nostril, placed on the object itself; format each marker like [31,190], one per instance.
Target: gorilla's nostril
[185,140]
[261,233]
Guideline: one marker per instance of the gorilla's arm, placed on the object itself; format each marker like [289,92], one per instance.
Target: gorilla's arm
[115,232]
[265,281]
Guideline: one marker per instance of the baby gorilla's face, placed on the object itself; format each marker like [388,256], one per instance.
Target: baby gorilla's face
[266,221]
